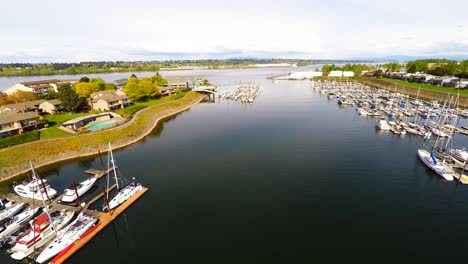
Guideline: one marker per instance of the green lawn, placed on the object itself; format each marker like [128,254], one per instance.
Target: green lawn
[54,122]
[138,105]
[19,139]
[427,86]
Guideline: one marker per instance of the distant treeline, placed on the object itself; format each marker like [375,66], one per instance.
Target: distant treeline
[437,67]
[29,69]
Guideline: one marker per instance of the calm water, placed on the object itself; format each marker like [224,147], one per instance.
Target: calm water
[291,178]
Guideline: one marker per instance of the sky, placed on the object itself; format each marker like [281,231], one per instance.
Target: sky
[97,30]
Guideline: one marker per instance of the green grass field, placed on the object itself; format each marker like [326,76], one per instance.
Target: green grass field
[138,105]
[19,139]
[427,86]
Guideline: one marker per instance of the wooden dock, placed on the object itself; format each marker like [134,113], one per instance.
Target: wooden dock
[104,220]
[99,173]
[461,178]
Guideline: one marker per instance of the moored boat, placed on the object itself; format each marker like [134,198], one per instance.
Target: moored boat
[69,195]
[10,210]
[10,227]
[42,231]
[430,161]
[67,237]
[31,189]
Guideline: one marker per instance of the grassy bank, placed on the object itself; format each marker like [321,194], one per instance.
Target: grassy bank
[13,161]
[15,140]
[426,86]
[414,91]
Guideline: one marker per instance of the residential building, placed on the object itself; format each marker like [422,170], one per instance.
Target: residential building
[51,106]
[31,106]
[12,123]
[38,87]
[108,100]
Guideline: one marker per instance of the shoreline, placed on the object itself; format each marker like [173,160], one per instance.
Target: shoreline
[11,172]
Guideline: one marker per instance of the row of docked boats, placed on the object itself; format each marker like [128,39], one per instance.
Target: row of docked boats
[436,122]
[40,235]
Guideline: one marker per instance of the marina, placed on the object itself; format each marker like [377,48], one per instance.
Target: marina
[274,175]
[53,236]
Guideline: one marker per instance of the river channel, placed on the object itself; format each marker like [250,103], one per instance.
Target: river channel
[290,178]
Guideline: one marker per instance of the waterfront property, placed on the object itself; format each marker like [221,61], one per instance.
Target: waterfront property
[30,106]
[108,100]
[74,125]
[53,106]
[13,123]
[304,75]
[38,87]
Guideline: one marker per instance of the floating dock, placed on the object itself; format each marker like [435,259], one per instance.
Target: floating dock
[461,178]
[99,173]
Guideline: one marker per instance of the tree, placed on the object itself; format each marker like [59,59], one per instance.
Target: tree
[99,82]
[110,86]
[84,79]
[21,96]
[158,80]
[131,88]
[148,88]
[85,89]
[69,98]
[3,99]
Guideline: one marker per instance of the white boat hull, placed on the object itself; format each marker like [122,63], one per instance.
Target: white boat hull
[70,195]
[18,221]
[11,211]
[67,236]
[444,172]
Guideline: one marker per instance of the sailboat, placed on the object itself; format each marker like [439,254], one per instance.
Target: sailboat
[42,230]
[67,236]
[431,161]
[124,192]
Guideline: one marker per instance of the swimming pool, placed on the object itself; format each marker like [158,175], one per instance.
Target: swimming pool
[101,125]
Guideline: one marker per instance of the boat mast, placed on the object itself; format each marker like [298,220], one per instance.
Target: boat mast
[113,166]
[43,201]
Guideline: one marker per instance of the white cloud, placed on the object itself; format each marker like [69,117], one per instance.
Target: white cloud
[113,30]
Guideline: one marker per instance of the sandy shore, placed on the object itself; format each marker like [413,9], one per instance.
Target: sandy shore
[146,119]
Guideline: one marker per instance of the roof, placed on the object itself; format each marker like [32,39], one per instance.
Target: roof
[121,81]
[10,117]
[79,119]
[182,79]
[108,96]
[54,102]
[40,82]
[23,105]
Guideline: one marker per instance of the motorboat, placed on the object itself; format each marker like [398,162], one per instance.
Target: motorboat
[15,223]
[31,189]
[10,210]
[382,124]
[69,195]
[43,229]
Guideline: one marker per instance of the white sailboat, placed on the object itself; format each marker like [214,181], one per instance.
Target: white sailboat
[67,236]
[42,230]
[69,195]
[124,192]
[439,168]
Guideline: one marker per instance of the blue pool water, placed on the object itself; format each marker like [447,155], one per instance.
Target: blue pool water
[101,125]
